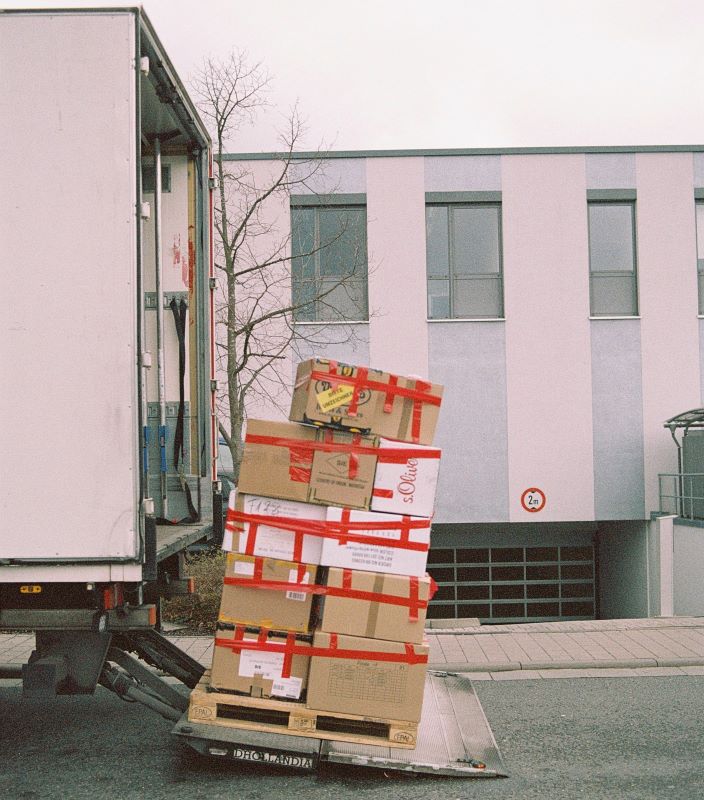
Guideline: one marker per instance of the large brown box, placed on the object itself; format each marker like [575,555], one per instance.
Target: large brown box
[260,673]
[308,464]
[361,398]
[367,686]
[375,618]
[248,600]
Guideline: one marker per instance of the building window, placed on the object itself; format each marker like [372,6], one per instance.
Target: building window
[329,263]
[463,256]
[612,259]
[699,207]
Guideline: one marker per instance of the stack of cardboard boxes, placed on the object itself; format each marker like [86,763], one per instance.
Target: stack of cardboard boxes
[326,592]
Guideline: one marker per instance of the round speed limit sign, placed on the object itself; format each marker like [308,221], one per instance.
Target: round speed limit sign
[533,499]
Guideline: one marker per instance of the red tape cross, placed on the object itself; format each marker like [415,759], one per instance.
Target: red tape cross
[412,602]
[290,648]
[343,531]
[420,395]
[302,451]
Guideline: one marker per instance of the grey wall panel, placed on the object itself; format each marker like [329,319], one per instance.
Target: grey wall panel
[346,343]
[514,534]
[623,570]
[469,360]
[611,170]
[688,557]
[617,407]
[463,174]
[331,176]
[699,170]
[701,362]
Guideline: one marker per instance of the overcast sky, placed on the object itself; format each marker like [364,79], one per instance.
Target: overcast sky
[390,74]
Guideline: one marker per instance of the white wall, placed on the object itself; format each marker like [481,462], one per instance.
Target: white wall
[396,241]
[548,355]
[668,304]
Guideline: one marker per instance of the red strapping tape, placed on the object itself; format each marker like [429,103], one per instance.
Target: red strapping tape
[385,388]
[387,455]
[290,648]
[343,531]
[412,602]
[359,382]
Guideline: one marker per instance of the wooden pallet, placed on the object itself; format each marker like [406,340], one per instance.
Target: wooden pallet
[278,716]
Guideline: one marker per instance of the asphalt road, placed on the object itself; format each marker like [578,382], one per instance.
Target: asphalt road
[636,738]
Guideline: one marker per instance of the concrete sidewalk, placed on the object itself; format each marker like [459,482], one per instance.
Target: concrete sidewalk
[613,648]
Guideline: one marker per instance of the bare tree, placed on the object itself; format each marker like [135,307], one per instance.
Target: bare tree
[257,309]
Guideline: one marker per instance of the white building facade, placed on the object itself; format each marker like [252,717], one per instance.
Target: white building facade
[556,296]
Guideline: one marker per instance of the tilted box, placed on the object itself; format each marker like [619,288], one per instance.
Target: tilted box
[360,398]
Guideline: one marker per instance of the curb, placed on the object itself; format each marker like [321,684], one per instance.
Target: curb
[516,666]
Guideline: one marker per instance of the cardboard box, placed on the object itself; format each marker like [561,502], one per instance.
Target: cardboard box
[406,484]
[257,672]
[307,464]
[376,556]
[375,618]
[246,598]
[268,538]
[360,398]
[295,462]
[365,686]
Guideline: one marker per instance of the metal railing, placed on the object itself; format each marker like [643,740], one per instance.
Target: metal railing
[682,493]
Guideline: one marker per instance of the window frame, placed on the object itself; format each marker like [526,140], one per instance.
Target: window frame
[451,205]
[318,204]
[630,202]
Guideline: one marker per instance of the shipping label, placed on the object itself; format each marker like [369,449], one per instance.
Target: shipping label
[268,665]
[287,687]
[334,397]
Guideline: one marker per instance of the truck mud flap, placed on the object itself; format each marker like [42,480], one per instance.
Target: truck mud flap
[454,738]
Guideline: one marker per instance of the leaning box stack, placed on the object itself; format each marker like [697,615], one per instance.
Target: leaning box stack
[325,592]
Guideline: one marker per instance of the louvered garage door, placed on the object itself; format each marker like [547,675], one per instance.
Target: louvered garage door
[513,584]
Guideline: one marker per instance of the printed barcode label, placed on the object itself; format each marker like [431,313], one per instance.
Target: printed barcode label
[287,687]
[293,578]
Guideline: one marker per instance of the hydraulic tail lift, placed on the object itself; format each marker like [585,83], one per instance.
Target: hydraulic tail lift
[454,739]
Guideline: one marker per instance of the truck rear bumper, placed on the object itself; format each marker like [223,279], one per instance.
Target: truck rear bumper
[78,619]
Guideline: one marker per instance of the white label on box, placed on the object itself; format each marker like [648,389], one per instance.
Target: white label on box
[268,665]
[271,507]
[410,485]
[293,578]
[374,557]
[287,687]
[273,542]
[244,567]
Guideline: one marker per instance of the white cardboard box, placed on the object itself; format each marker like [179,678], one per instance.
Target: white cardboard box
[267,539]
[407,487]
[377,557]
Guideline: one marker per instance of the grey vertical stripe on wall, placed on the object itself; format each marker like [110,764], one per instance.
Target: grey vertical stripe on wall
[698,170]
[463,174]
[469,359]
[346,343]
[331,176]
[611,170]
[617,409]
[701,364]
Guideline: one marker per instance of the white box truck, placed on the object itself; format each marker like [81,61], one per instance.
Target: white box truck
[107,429]
[107,468]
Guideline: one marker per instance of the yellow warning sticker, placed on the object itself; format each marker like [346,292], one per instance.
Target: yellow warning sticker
[335,397]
